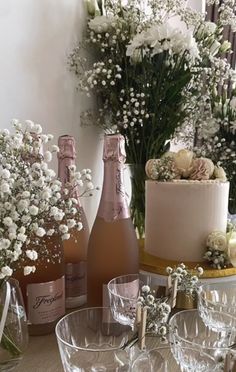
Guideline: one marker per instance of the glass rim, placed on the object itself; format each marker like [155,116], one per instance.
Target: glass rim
[118,295]
[203,287]
[193,342]
[81,347]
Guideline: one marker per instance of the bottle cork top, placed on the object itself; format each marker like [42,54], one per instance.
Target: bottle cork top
[114,148]
[66,146]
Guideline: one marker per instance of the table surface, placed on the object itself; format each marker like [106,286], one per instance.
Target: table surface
[43,355]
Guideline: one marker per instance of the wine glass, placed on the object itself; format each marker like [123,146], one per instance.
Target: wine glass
[187,330]
[217,306]
[161,359]
[92,340]
[124,292]
[14,336]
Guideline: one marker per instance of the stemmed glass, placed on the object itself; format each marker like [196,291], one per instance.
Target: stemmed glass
[124,292]
[91,340]
[161,360]
[187,330]
[217,307]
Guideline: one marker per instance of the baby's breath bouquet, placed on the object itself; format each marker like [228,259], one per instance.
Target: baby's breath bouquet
[147,71]
[33,204]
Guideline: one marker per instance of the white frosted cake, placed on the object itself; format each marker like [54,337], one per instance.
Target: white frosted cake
[186,202]
[181,214]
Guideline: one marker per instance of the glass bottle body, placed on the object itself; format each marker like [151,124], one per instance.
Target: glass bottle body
[75,248]
[44,290]
[113,247]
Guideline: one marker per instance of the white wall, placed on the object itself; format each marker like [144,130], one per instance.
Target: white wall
[36,37]
[35,83]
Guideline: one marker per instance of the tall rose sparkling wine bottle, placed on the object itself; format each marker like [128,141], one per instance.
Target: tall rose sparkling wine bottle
[75,249]
[44,290]
[113,246]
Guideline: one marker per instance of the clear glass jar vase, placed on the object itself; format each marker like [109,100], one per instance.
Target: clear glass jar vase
[13,325]
[137,204]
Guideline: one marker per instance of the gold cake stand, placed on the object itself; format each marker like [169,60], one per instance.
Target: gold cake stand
[156,265]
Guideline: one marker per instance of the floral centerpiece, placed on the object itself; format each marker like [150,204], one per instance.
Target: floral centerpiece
[184,165]
[151,61]
[159,308]
[211,130]
[221,248]
[33,204]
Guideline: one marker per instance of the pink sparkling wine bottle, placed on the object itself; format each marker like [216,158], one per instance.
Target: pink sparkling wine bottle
[113,245]
[75,249]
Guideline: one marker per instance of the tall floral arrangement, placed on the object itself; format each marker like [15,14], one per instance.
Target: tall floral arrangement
[148,71]
[32,201]
[212,128]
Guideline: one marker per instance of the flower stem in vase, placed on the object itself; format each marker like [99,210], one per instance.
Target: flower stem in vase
[137,204]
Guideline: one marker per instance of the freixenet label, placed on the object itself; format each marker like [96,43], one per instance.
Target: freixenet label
[76,279]
[46,301]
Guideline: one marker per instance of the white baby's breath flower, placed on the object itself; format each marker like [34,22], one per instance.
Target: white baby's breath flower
[50,232]
[29,269]
[169,270]
[79,226]
[55,148]
[90,186]
[65,236]
[40,232]
[5,272]
[5,188]
[48,156]
[7,221]
[21,237]
[63,228]
[31,254]
[33,210]
[145,289]
[71,223]
[37,129]
[4,243]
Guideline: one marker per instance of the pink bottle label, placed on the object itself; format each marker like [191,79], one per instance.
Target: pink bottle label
[76,279]
[113,205]
[46,301]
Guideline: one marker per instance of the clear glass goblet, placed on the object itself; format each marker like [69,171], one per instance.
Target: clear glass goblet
[187,330]
[91,340]
[161,359]
[14,338]
[217,306]
[124,292]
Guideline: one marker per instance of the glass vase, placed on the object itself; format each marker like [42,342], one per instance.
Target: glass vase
[137,204]
[13,325]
